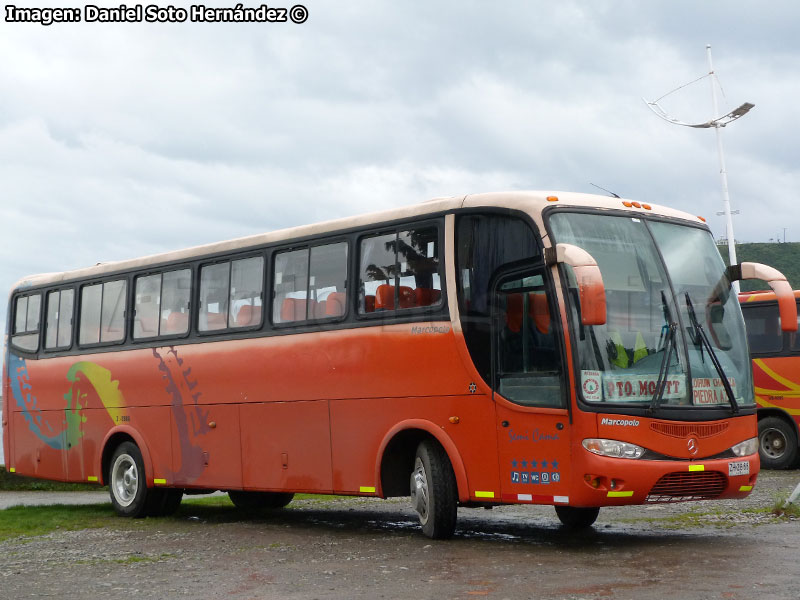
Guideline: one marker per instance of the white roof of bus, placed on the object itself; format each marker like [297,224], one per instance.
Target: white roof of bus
[531,202]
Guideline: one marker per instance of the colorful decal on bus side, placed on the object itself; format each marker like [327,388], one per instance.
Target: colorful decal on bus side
[71,428]
[190,424]
[181,389]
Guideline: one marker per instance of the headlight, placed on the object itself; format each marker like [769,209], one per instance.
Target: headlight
[613,448]
[746,448]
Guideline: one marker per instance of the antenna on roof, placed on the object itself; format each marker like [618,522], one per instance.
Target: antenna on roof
[605,190]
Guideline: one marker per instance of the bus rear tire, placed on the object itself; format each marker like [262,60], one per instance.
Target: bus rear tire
[127,484]
[259,500]
[777,443]
[573,517]
[433,491]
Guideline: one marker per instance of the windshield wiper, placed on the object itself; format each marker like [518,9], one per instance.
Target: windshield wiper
[661,382]
[700,333]
[670,327]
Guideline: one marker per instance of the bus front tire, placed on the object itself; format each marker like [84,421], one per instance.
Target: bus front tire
[433,491]
[259,500]
[573,517]
[126,482]
[777,443]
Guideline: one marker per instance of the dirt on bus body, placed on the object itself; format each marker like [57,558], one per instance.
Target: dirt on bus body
[367,548]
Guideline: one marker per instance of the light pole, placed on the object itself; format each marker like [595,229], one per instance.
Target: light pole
[717,123]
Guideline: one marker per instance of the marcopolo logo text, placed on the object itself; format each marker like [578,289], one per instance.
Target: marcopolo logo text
[620,422]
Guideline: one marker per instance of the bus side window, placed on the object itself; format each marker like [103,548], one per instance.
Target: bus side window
[400,271]
[26,323]
[327,280]
[290,287]
[378,264]
[58,327]
[103,312]
[763,328]
[214,281]
[247,281]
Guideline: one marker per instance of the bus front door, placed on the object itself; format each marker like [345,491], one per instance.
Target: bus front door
[530,399]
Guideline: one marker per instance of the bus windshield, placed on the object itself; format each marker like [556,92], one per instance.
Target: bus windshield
[667,340]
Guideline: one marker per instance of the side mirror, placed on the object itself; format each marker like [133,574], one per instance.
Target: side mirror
[591,291]
[787,305]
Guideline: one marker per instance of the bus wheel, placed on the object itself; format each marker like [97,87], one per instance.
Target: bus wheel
[433,491]
[126,481]
[259,500]
[573,517]
[777,443]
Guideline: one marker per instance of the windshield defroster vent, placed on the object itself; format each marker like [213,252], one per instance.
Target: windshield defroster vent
[685,485]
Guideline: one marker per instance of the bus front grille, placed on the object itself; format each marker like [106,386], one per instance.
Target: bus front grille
[698,430]
[684,485]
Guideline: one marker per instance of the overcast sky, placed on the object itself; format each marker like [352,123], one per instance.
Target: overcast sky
[119,140]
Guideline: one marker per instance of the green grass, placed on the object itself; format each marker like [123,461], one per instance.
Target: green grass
[29,521]
[17,483]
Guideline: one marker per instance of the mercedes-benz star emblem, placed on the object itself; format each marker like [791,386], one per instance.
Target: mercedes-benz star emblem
[692,446]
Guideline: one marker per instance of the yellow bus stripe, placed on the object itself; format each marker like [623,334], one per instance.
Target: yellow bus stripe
[782,380]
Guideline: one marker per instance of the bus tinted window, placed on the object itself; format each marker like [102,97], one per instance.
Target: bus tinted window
[290,287]
[162,304]
[65,318]
[59,319]
[310,284]
[26,323]
[112,317]
[763,329]
[176,289]
[148,297]
[247,281]
[400,270]
[103,312]
[327,281]
[214,281]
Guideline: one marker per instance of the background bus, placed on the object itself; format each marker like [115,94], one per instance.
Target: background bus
[776,374]
[560,349]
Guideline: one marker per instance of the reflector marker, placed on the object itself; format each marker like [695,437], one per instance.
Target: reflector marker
[366,489]
[746,488]
[484,494]
[620,494]
[91,478]
[160,481]
[12,470]
[697,467]
[561,499]
[525,497]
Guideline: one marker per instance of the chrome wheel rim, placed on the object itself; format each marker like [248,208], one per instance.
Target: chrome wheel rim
[773,443]
[124,480]
[420,500]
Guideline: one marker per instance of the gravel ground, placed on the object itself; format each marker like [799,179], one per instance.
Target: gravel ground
[366,548]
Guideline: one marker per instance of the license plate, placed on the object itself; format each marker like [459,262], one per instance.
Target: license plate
[739,468]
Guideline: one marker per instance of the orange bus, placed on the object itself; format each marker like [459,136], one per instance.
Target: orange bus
[776,375]
[537,348]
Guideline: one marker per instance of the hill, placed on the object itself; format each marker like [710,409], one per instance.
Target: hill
[784,257]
